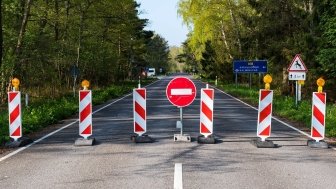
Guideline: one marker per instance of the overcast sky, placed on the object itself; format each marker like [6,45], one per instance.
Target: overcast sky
[164,20]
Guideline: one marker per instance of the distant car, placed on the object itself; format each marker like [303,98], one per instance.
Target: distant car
[150,72]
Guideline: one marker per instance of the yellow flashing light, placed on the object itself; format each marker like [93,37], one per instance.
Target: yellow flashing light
[85,84]
[267,81]
[320,83]
[16,83]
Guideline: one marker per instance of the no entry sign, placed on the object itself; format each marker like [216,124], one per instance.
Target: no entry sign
[181,91]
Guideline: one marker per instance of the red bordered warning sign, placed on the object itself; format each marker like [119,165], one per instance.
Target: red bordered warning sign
[297,65]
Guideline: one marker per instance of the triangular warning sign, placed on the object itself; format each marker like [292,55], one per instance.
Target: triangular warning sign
[297,65]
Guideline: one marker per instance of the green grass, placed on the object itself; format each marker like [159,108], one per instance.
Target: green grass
[49,111]
[284,106]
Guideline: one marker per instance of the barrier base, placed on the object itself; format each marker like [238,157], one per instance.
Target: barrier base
[263,144]
[23,141]
[85,142]
[142,139]
[206,140]
[320,144]
[182,138]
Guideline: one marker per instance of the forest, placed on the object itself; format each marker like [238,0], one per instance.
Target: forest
[225,30]
[52,45]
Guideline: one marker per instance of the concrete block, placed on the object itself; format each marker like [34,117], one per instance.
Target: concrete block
[263,144]
[182,138]
[85,142]
[320,144]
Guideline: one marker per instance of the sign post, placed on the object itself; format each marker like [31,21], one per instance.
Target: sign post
[181,92]
[297,71]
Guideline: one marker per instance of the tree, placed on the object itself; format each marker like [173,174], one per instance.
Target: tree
[45,39]
[157,53]
[327,51]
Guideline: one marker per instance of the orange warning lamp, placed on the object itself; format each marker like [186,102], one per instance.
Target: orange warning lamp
[15,83]
[320,83]
[85,84]
[267,81]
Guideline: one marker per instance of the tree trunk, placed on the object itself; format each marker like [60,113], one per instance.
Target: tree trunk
[23,26]
[225,41]
[236,28]
[1,36]
[56,23]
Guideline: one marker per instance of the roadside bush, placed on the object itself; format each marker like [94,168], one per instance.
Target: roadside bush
[49,111]
[284,106]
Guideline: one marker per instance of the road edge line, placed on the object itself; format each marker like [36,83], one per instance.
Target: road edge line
[276,119]
[64,127]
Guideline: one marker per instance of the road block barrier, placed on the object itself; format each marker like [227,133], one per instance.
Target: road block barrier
[15,120]
[206,117]
[318,116]
[264,114]
[139,110]
[85,113]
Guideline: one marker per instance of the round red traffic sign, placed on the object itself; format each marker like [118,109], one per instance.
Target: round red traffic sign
[181,91]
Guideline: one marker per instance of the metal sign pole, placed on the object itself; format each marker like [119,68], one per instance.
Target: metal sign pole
[74,86]
[250,82]
[181,119]
[236,79]
[296,93]
[299,92]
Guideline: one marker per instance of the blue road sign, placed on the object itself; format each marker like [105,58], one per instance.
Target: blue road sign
[244,66]
[74,71]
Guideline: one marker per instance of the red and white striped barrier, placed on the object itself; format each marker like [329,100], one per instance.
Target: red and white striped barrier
[139,109]
[85,113]
[206,118]
[15,121]
[264,114]
[318,116]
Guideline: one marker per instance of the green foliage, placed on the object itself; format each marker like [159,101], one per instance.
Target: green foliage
[45,112]
[284,106]
[158,53]
[327,55]
[225,30]
[105,39]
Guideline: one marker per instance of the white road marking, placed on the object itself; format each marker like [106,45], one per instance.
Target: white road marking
[64,127]
[276,119]
[178,181]
[181,92]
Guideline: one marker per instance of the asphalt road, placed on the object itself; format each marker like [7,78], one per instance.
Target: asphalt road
[116,162]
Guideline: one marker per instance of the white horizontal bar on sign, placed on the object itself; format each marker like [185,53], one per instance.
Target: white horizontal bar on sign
[181,92]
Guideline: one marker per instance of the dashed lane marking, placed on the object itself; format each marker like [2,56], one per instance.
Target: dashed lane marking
[178,181]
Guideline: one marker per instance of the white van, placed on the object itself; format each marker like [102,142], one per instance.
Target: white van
[150,72]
